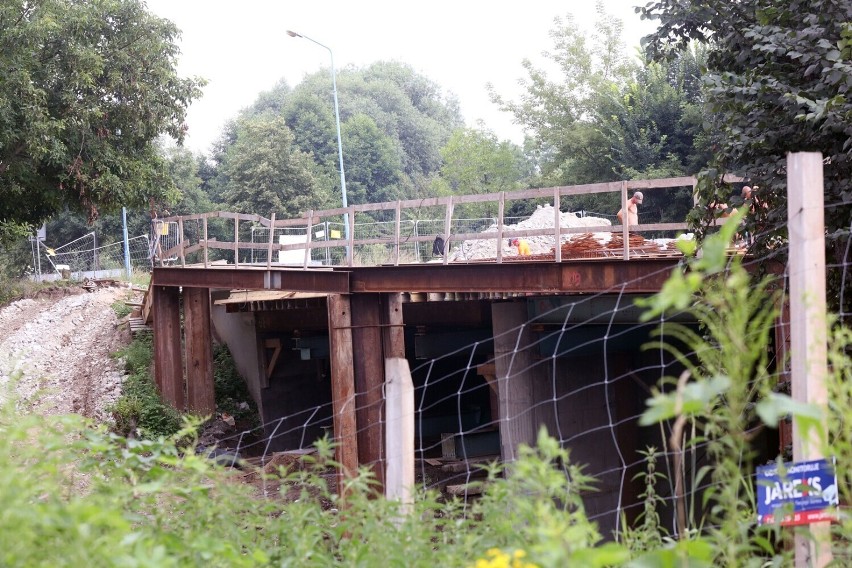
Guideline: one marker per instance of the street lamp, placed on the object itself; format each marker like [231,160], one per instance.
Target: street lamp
[339,142]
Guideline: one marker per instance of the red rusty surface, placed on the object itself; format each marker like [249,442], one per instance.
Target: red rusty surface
[230,278]
[589,276]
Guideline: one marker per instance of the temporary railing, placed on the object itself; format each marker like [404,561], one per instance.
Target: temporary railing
[319,235]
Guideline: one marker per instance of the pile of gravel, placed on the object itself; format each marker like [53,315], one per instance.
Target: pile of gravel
[543,218]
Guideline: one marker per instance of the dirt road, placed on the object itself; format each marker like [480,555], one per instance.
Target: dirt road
[56,350]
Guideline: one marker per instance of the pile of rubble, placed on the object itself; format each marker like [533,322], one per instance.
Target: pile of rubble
[542,218]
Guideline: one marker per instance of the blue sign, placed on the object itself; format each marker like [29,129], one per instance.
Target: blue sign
[801,492]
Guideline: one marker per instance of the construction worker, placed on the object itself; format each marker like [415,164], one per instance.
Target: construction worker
[632,209]
[523,247]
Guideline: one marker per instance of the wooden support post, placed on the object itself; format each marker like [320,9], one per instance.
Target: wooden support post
[237,241]
[343,386]
[393,334]
[180,242]
[269,244]
[350,246]
[309,233]
[369,366]
[808,325]
[168,362]
[501,206]
[198,341]
[396,233]
[625,220]
[514,363]
[448,218]
[399,432]
[557,226]
[205,242]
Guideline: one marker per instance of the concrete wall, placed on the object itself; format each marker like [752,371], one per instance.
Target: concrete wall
[237,330]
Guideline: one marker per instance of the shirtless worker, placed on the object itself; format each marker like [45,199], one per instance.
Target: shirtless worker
[632,209]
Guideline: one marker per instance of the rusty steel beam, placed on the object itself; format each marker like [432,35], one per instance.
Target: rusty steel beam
[584,277]
[336,282]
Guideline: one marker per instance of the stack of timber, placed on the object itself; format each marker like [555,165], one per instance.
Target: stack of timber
[141,316]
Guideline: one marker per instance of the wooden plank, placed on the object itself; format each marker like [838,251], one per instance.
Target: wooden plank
[625,235]
[343,386]
[309,233]
[397,214]
[168,359]
[557,227]
[501,210]
[685,181]
[447,236]
[269,245]
[275,345]
[350,230]
[472,488]
[182,244]
[199,351]
[808,325]
[206,259]
[236,241]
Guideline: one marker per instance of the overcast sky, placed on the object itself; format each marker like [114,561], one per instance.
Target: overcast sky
[241,47]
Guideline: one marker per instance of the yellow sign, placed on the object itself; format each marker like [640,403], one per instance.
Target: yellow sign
[335,234]
[164,229]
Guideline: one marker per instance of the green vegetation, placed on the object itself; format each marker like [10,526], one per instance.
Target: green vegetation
[232,394]
[77,494]
[88,88]
[121,308]
[140,406]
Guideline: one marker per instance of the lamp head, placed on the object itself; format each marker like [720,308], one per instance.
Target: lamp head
[293,34]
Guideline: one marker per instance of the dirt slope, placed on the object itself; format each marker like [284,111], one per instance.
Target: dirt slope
[56,350]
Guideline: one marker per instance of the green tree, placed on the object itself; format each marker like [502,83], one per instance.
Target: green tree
[603,117]
[87,89]
[394,123]
[264,172]
[558,113]
[373,170]
[777,81]
[476,162]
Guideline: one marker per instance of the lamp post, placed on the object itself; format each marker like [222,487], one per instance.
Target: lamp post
[337,122]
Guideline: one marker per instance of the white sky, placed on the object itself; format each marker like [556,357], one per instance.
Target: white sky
[241,47]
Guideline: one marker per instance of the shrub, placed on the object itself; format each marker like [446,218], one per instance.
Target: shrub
[140,406]
[232,395]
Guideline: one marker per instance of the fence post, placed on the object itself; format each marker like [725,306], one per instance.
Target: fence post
[237,241]
[308,232]
[126,241]
[269,244]
[447,221]
[625,221]
[396,235]
[557,226]
[809,350]
[399,433]
[180,242]
[205,241]
[501,206]
[350,235]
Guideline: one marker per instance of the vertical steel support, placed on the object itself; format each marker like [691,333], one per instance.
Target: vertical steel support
[199,351]
[168,360]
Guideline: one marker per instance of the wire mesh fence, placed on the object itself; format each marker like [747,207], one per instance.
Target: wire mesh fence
[84,258]
[579,366]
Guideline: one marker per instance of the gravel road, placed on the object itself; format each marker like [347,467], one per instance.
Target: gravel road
[56,351]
